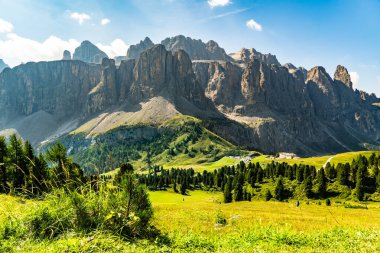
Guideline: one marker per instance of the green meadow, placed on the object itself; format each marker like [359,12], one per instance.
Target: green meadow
[199,222]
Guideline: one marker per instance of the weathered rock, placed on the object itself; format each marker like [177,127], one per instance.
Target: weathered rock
[88,52]
[105,93]
[58,88]
[342,75]
[245,56]
[66,55]
[196,49]
[134,51]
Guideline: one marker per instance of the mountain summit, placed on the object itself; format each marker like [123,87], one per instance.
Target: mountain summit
[88,52]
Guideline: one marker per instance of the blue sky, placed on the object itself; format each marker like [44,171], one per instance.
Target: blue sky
[305,33]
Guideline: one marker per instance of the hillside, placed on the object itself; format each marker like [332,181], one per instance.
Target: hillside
[181,141]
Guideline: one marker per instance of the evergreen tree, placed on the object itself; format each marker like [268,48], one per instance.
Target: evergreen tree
[321,183]
[227,191]
[343,172]
[279,192]
[17,162]
[308,187]
[360,177]
[3,165]
[238,187]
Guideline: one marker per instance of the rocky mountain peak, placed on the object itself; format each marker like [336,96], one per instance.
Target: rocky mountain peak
[88,52]
[319,76]
[3,65]
[342,75]
[244,56]
[66,55]
[196,49]
[134,51]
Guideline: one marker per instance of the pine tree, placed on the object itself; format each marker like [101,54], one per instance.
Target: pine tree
[227,191]
[17,161]
[3,169]
[360,177]
[308,187]
[321,183]
[238,187]
[279,191]
[343,172]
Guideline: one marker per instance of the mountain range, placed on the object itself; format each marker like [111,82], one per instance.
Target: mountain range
[247,98]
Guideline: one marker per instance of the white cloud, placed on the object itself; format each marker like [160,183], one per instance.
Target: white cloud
[80,17]
[5,26]
[116,48]
[355,79]
[217,3]
[15,49]
[253,25]
[105,21]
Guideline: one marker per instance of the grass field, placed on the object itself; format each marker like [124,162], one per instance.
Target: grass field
[317,161]
[188,224]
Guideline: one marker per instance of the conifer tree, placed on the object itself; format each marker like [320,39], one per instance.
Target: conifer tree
[321,183]
[279,191]
[3,165]
[227,191]
[308,187]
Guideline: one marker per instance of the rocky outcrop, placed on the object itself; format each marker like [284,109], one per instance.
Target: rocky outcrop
[134,51]
[155,73]
[105,93]
[158,72]
[244,56]
[57,87]
[88,52]
[2,65]
[342,75]
[220,80]
[66,55]
[196,49]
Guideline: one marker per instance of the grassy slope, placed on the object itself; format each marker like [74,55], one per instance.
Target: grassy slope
[317,161]
[189,223]
[207,151]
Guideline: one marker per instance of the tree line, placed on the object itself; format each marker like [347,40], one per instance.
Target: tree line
[237,182]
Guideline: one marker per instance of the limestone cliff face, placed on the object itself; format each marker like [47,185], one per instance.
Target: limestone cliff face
[155,73]
[105,93]
[58,87]
[220,80]
[196,49]
[134,51]
[88,52]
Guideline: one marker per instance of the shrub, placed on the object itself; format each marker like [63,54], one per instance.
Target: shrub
[220,218]
[328,202]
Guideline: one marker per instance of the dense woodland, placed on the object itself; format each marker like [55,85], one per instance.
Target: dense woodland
[360,178]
